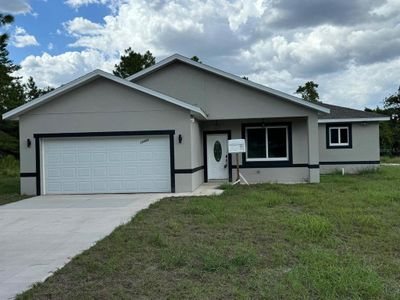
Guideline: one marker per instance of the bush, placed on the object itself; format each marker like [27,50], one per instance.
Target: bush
[9,166]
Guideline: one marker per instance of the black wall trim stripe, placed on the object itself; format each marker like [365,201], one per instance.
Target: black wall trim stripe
[188,171]
[27,174]
[37,153]
[366,162]
[313,166]
[172,158]
[266,166]
[104,133]
[38,136]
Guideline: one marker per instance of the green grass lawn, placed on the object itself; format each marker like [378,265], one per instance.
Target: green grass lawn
[390,159]
[336,240]
[9,180]
[9,189]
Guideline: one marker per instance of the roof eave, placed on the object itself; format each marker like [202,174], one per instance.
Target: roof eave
[354,120]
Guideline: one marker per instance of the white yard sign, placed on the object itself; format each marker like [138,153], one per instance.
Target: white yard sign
[236,146]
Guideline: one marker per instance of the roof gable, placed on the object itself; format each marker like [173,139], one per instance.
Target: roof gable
[236,79]
[15,113]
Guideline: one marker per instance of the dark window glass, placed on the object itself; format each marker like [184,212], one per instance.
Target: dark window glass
[256,143]
[277,142]
[217,151]
[344,139]
[334,136]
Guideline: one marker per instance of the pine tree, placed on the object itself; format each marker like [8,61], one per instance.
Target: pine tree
[196,59]
[32,91]
[11,94]
[133,62]
[308,91]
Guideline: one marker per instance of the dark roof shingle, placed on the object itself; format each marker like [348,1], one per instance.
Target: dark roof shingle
[340,112]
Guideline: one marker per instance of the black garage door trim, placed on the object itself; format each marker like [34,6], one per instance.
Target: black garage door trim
[170,133]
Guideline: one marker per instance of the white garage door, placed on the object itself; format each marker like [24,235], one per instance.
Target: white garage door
[106,165]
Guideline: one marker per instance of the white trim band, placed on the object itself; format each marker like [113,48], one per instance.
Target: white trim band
[353,120]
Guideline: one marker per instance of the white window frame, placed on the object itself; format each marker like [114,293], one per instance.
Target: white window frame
[339,128]
[266,144]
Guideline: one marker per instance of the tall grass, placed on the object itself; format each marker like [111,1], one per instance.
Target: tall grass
[9,166]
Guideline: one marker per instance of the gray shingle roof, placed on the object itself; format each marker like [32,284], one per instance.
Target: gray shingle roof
[340,112]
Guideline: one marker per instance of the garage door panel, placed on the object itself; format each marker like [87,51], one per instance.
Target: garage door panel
[115,171]
[84,157]
[106,165]
[68,158]
[69,187]
[99,157]
[84,187]
[115,156]
[83,172]
[129,156]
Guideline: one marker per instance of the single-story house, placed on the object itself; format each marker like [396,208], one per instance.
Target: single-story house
[165,129]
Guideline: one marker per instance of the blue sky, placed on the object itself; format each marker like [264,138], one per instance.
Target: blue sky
[350,48]
[46,24]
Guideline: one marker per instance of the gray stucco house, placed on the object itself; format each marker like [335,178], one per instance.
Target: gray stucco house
[165,129]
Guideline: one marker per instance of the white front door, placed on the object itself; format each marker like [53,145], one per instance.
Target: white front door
[217,156]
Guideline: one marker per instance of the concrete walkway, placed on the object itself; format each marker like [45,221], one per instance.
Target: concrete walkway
[41,234]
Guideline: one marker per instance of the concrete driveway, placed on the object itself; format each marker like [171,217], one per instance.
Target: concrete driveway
[41,234]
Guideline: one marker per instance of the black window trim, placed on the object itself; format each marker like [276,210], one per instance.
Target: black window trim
[269,163]
[340,125]
[268,159]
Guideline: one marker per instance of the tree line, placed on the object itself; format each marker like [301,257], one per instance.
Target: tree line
[13,93]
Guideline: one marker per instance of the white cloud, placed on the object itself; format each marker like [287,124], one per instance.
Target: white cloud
[55,70]
[80,26]
[78,3]
[390,7]
[22,39]
[15,6]
[362,85]
[355,60]
[50,46]
[112,4]
[324,49]
[357,86]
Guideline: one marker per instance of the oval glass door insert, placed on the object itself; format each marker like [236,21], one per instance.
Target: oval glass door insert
[217,151]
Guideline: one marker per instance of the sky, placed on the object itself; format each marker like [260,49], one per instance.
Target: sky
[351,48]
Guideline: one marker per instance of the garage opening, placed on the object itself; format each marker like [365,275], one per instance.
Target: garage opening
[91,165]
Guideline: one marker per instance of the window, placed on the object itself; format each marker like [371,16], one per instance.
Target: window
[217,151]
[267,143]
[339,136]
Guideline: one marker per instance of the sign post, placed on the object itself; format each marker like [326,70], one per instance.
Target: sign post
[237,146]
[237,167]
